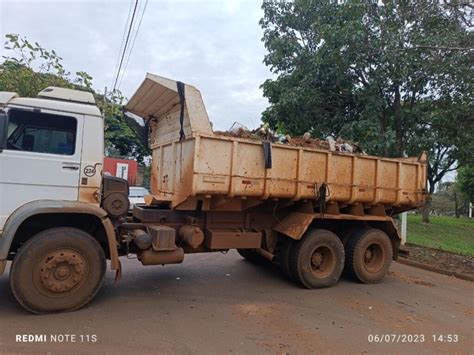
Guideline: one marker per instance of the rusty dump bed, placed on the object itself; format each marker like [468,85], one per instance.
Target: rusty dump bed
[198,166]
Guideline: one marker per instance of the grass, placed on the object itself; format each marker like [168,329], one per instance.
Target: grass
[446,233]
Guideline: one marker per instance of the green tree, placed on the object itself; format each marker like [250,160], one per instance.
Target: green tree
[30,68]
[122,134]
[394,76]
[465,182]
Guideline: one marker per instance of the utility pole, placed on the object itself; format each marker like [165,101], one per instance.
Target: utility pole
[403,227]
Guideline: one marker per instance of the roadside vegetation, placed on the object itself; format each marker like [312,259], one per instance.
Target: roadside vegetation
[394,76]
[451,234]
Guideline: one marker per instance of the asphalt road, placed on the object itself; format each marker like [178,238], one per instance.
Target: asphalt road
[215,304]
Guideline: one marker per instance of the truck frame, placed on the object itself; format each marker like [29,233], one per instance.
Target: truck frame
[313,212]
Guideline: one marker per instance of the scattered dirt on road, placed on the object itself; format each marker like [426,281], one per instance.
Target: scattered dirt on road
[440,259]
[277,331]
[410,279]
[385,314]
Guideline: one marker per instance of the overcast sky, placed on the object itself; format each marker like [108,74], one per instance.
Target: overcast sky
[214,45]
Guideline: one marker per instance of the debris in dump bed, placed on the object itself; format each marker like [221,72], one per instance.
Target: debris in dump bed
[264,133]
[240,133]
[308,143]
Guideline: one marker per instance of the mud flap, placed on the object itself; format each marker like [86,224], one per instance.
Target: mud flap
[295,224]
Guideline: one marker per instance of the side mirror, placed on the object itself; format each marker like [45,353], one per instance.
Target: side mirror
[3,130]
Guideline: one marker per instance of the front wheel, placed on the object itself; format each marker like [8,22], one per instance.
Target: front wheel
[59,269]
[369,255]
[317,259]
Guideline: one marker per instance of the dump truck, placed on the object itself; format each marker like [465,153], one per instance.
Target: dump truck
[313,212]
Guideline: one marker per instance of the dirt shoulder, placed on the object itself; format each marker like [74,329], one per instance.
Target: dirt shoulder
[456,263]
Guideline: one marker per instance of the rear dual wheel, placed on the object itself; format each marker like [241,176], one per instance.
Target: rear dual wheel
[369,255]
[317,259]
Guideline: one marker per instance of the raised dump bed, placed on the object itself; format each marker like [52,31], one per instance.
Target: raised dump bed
[191,163]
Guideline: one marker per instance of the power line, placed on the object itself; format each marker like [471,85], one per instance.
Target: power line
[133,43]
[123,39]
[126,44]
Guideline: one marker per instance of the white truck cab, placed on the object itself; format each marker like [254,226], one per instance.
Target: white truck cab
[52,189]
[53,149]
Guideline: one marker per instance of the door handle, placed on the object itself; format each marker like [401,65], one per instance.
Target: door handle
[70,167]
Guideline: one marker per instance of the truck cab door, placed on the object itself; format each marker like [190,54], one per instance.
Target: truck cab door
[41,158]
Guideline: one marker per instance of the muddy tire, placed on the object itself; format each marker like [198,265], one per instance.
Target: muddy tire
[317,259]
[283,257]
[369,255]
[57,270]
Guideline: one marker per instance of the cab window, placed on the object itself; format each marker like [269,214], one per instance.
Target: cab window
[41,132]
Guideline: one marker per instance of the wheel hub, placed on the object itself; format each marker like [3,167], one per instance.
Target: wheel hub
[322,261]
[317,259]
[373,257]
[62,271]
[368,254]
